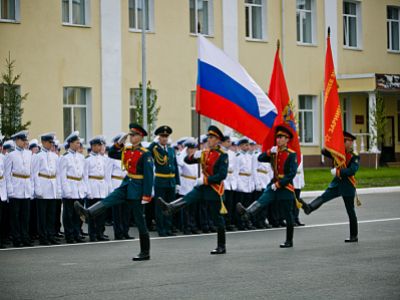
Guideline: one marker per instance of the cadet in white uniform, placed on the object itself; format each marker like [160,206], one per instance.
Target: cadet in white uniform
[44,172]
[19,189]
[3,196]
[73,187]
[97,188]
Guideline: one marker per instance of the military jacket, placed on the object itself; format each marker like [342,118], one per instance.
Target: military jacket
[44,172]
[284,166]
[138,163]
[166,166]
[345,179]
[3,185]
[71,175]
[18,173]
[95,176]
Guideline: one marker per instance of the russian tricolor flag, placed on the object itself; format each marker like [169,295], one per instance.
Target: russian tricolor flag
[227,93]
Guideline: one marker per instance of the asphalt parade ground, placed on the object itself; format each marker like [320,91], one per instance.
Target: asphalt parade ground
[320,266]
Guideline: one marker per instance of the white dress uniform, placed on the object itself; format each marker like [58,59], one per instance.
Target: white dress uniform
[298,180]
[95,176]
[263,173]
[230,183]
[244,167]
[3,184]
[116,173]
[188,176]
[44,170]
[71,175]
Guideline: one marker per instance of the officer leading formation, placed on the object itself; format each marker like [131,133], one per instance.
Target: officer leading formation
[220,184]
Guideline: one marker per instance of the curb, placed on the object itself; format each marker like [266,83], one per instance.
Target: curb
[363,191]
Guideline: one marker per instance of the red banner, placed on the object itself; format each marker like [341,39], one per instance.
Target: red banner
[334,140]
[279,95]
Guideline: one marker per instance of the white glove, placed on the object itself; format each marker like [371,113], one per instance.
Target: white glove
[122,139]
[199,181]
[274,149]
[145,202]
[197,154]
[333,172]
[273,187]
[177,188]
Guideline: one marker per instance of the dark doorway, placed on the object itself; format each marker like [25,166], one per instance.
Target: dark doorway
[388,142]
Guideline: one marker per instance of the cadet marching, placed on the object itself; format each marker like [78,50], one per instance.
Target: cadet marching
[222,184]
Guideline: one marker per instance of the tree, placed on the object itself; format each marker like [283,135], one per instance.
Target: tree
[380,119]
[11,101]
[152,108]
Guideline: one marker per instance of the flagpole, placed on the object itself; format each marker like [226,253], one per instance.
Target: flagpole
[144,79]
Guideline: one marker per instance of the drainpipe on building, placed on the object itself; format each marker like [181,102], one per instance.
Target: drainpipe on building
[144,79]
[283,34]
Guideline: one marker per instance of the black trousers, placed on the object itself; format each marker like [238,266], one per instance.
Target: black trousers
[296,210]
[230,207]
[57,219]
[163,222]
[19,219]
[71,220]
[121,218]
[95,225]
[46,214]
[246,199]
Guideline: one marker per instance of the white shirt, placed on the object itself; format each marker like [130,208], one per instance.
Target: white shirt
[95,176]
[3,184]
[188,175]
[18,163]
[230,183]
[45,164]
[116,174]
[263,173]
[245,168]
[298,180]
[71,170]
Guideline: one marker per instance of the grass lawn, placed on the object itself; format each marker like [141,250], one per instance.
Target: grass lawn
[318,179]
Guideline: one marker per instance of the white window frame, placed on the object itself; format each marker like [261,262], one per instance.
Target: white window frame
[88,106]
[345,106]
[358,26]
[210,13]
[70,14]
[263,21]
[17,14]
[315,120]
[389,28]
[313,24]
[150,17]
[207,120]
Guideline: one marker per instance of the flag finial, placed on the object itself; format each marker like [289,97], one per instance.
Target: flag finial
[278,44]
[329,31]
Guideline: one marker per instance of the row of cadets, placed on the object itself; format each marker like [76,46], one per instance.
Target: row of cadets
[97,184]
[73,187]
[3,195]
[19,188]
[46,189]
[188,179]
[121,213]
[166,176]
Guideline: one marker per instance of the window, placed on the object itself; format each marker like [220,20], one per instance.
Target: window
[255,14]
[204,121]
[305,21]
[351,24]
[307,119]
[136,15]
[75,12]
[75,110]
[393,24]
[9,10]
[201,16]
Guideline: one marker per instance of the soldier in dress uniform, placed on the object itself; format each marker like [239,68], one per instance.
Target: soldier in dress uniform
[230,183]
[214,163]
[343,184]
[280,188]
[18,170]
[121,212]
[136,187]
[166,176]
[44,172]
[94,175]
[3,196]
[73,187]
[188,177]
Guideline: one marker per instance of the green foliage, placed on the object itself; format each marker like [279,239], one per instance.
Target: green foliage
[11,102]
[152,108]
[380,119]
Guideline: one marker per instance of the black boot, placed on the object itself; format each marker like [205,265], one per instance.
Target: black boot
[84,213]
[221,241]
[168,209]
[289,237]
[314,205]
[144,248]
[353,232]
[247,212]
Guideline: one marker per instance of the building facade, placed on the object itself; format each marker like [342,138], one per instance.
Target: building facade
[80,60]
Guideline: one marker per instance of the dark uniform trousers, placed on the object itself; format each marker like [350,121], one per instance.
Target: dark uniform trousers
[46,214]
[71,220]
[57,220]
[198,194]
[95,225]
[164,223]
[296,210]
[19,219]
[119,196]
[189,217]
[121,218]
[246,199]
[269,196]
[230,207]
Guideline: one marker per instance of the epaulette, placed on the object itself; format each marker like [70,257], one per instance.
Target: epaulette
[65,153]
[128,148]
[355,153]
[290,150]
[144,149]
[237,154]
[219,149]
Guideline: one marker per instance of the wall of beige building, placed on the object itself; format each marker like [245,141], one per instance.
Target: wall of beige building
[51,56]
